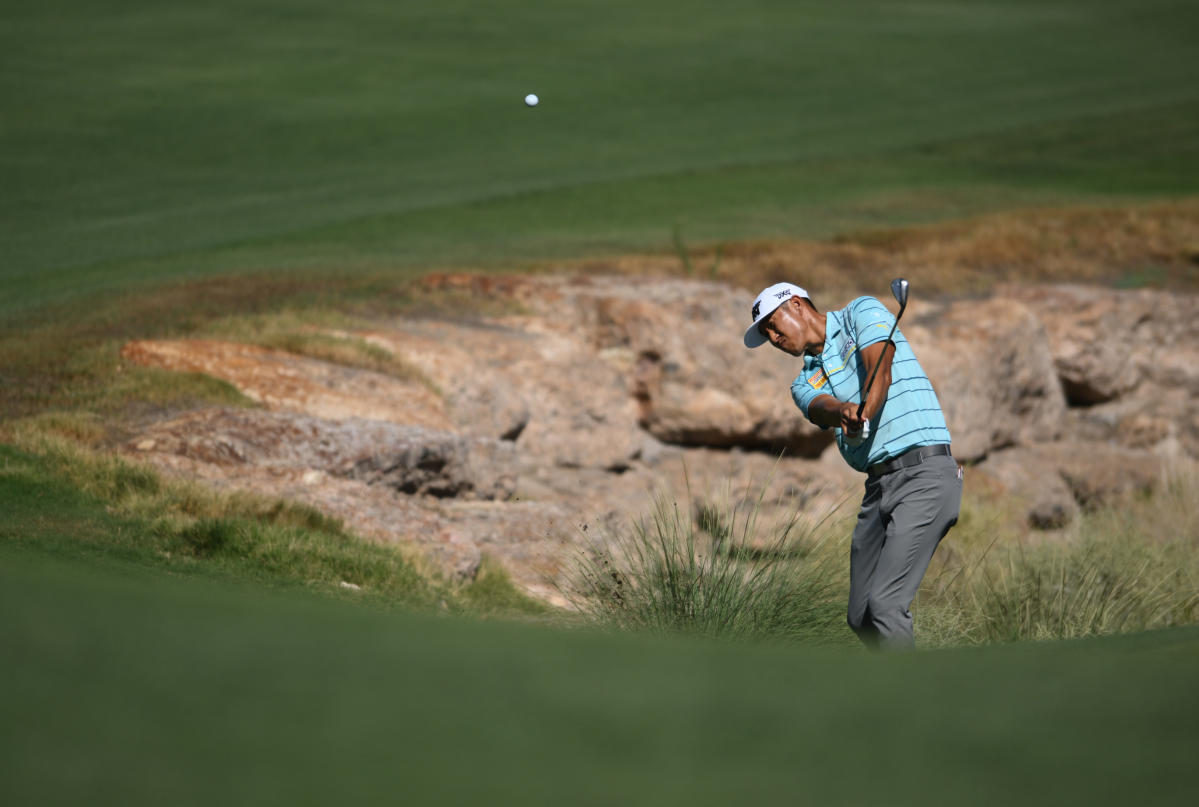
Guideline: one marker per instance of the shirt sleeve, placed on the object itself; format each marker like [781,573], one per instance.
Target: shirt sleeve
[870,321]
[807,387]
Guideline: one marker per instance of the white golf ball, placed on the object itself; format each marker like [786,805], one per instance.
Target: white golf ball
[530,100]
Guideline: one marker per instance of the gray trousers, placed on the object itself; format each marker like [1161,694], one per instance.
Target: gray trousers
[904,515]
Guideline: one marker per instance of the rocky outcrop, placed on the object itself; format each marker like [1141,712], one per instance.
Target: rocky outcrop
[1053,480]
[1128,362]
[677,344]
[994,376]
[1107,342]
[567,411]
[540,387]
[408,459]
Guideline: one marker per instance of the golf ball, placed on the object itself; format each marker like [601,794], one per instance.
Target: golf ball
[530,100]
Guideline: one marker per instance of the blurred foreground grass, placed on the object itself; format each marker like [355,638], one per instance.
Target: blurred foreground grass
[124,686]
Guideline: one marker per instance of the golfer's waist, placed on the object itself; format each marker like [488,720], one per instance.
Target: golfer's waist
[913,456]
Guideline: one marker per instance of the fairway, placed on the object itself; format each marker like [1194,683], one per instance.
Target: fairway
[229,229]
[141,142]
[123,687]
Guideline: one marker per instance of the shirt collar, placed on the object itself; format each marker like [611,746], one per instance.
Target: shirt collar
[832,327]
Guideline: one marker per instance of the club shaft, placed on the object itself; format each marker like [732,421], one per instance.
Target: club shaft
[879,363]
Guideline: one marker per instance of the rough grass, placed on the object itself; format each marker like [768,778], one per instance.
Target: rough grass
[716,570]
[1130,566]
[128,510]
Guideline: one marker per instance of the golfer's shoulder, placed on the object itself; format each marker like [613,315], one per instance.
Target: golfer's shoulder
[865,305]
[864,313]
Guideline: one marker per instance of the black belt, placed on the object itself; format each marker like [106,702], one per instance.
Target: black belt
[913,456]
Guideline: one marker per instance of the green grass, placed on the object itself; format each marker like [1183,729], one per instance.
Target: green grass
[64,501]
[149,141]
[166,644]
[121,686]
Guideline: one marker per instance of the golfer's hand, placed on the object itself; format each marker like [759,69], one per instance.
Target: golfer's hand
[851,424]
[857,438]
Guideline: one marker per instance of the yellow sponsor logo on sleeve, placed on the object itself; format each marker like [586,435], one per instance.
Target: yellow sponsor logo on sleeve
[817,381]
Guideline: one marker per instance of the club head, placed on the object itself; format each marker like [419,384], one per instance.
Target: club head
[899,287]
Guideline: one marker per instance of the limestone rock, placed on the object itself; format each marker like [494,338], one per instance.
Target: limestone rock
[1055,479]
[558,421]
[990,365]
[464,360]
[408,459]
[679,344]
[1106,342]
[1128,359]
[1038,488]
[543,388]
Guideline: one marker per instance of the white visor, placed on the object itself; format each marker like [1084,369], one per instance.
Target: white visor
[770,299]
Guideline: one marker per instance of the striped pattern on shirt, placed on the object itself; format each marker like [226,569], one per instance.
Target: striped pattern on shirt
[911,415]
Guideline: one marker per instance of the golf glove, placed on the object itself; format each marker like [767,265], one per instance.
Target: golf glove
[855,439]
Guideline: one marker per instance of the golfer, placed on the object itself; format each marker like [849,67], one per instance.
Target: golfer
[901,443]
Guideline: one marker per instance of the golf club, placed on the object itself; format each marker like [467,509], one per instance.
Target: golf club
[899,288]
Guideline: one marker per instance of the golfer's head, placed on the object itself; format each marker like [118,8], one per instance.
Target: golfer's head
[777,318]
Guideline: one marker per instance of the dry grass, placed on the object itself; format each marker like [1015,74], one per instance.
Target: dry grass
[1131,565]
[318,333]
[1155,245]
[723,569]
[66,357]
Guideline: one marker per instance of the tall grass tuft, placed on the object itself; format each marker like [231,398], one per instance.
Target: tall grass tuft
[717,571]
[1132,565]
[693,567]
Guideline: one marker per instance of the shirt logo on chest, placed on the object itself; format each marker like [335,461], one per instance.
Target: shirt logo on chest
[847,349]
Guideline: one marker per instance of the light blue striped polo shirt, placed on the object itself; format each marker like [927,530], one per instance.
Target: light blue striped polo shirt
[911,415]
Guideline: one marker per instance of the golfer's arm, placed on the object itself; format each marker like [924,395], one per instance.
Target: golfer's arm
[825,411]
[870,356]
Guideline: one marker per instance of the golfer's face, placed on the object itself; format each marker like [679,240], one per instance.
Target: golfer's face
[783,329]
